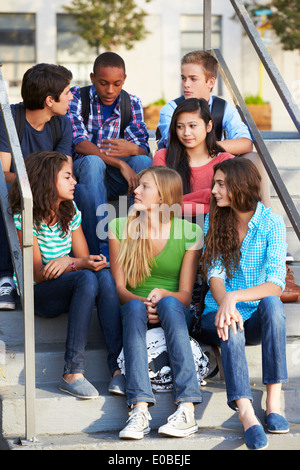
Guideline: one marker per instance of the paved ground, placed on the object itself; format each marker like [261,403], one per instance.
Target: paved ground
[154,449]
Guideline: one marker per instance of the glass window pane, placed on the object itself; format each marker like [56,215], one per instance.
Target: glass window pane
[17,47]
[70,46]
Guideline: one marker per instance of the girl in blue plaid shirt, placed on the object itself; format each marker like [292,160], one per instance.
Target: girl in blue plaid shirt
[244,265]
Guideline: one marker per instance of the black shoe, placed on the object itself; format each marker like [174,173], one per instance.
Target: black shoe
[7,297]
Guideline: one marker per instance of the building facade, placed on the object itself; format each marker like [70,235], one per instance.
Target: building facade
[41,31]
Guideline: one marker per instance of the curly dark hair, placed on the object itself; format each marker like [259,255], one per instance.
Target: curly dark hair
[177,156]
[42,170]
[242,181]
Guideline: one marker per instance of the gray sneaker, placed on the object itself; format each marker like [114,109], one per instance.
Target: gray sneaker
[7,297]
[81,388]
[138,424]
[180,424]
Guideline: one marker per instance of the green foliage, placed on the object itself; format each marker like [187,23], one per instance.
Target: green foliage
[251,99]
[284,20]
[107,24]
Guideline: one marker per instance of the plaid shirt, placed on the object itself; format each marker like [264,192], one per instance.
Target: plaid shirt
[98,129]
[263,259]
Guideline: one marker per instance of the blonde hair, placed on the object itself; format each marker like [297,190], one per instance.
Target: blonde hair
[136,252]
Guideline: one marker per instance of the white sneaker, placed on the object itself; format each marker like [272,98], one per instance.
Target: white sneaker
[182,423]
[138,424]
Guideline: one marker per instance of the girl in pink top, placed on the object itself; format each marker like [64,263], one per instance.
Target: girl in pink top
[193,152]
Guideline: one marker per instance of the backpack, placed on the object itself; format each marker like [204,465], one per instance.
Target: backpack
[20,118]
[217,112]
[125,108]
[158,361]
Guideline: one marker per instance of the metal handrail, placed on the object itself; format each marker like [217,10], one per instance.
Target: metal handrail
[267,61]
[22,262]
[239,102]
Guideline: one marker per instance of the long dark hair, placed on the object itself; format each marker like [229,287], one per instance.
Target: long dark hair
[42,170]
[243,184]
[177,156]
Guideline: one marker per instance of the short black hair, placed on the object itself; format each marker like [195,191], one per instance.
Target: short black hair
[109,59]
[44,80]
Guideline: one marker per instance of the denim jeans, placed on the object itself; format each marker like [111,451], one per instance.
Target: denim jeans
[99,183]
[6,267]
[175,319]
[76,293]
[267,326]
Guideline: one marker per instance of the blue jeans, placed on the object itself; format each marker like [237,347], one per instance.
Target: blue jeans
[267,326]
[6,266]
[99,183]
[76,293]
[175,319]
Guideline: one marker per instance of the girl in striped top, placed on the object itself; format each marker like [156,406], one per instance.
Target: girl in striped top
[65,282]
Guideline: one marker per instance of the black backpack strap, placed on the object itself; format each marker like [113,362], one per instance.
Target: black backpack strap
[217,112]
[85,103]
[20,118]
[125,111]
[178,100]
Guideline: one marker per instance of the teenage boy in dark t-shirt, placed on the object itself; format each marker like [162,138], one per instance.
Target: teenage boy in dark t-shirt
[46,95]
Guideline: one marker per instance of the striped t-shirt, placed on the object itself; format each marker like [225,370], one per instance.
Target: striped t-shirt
[52,243]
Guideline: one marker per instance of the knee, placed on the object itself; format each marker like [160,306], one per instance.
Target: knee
[86,281]
[272,309]
[133,311]
[89,165]
[169,306]
[141,162]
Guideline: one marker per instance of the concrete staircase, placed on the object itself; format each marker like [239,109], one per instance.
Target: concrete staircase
[64,422]
[59,414]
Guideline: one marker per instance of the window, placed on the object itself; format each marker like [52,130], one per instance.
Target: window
[191,27]
[17,45]
[72,50]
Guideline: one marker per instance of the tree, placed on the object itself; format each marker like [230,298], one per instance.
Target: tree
[107,24]
[284,20]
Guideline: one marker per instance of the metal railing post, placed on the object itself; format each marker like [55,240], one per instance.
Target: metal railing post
[207,25]
[25,279]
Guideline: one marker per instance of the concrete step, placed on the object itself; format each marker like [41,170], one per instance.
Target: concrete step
[53,331]
[59,413]
[285,152]
[154,448]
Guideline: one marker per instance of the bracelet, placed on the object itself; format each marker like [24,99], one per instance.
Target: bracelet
[73,266]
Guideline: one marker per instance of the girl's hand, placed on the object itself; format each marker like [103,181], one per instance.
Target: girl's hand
[227,315]
[151,304]
[93,262]
[55,268]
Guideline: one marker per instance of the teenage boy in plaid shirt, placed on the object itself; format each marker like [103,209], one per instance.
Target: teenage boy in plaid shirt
[106,165]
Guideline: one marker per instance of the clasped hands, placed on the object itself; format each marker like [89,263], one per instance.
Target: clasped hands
[228,315]
[151,304]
